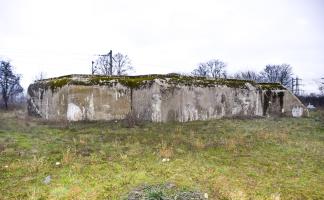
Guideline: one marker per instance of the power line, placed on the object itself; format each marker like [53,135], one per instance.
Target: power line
[295,86]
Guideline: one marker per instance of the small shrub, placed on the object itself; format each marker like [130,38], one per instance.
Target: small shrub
[163,192]
[155,195]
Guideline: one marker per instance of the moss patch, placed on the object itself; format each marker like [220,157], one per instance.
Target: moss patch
[50,83]
[205,82]
[59,83]
[138,81]
[271,86]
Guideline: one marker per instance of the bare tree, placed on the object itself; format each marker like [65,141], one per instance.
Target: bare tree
[102,66]
[9,82]
[121,64]
[277,73]
[213,68]
[117,64]
[201,70]
[248,75]
[216,68]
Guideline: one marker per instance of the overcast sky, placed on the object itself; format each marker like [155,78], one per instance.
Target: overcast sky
[61,37]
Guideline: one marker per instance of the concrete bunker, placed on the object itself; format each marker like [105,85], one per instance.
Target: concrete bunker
[158,98]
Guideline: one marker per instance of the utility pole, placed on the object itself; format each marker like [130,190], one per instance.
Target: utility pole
[298,83]
[110,63]
[295,85]
[107,63]
[92,68]
[292,85]
[110,58]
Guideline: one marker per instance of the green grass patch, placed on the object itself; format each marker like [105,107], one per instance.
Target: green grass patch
[274,158]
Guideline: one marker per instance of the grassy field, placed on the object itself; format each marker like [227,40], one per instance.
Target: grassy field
[227,159]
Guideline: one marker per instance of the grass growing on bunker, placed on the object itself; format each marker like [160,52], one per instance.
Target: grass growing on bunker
[227,159]
[136,82]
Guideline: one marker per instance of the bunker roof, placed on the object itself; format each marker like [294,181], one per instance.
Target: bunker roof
[139,81]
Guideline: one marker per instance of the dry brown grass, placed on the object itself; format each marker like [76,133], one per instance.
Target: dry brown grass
[36,164]
[68,157]
[165,150]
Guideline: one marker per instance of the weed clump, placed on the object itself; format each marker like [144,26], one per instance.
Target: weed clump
[167,191]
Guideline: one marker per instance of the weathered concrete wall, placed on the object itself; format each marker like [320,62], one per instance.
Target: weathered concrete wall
[157,100]
[78,102]
[163,102]
[282,103]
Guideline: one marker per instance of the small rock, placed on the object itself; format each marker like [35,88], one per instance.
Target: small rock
[34,151]
[47,180]
[57,163]
[275,196]
[165,160]
[170,185]
[6,166]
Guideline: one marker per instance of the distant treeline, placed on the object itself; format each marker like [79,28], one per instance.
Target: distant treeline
[317,101]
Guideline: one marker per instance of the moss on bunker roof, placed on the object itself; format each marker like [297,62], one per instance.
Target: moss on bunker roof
[271,86]
[144,80]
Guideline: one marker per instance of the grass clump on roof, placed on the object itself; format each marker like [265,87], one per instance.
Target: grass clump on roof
[272,86]
[128,81]
[52,83]
[207,82]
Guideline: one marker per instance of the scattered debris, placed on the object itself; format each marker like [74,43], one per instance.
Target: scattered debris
[190,196]
[275,196]
[47,180]
[6,166]
[57,163]
[165,160]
